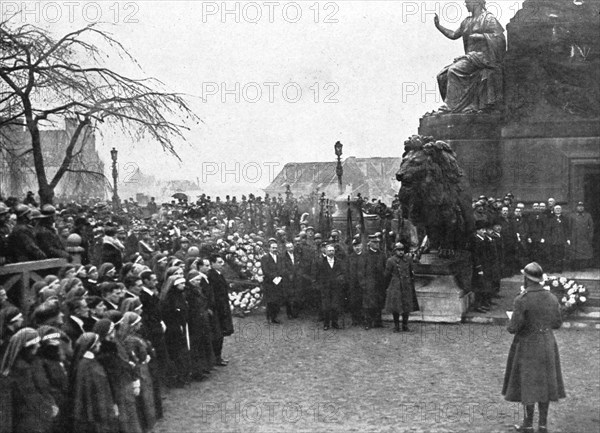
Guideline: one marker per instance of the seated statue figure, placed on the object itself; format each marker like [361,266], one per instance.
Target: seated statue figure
[473,82]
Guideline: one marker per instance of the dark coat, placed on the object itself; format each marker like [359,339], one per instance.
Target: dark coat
[93,403]
[50,243]
[31,398]
[356,279]
[331,283]
[221,306]
[557,231]
[533,372]
[374,293]
[111,254]
[482,262]
[151,316]
[273,293]
[199,324]
[121,374]
[401,296]
[582,235]
[292,280]
[22,246]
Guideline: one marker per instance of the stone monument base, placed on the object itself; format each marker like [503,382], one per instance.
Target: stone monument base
[443,288]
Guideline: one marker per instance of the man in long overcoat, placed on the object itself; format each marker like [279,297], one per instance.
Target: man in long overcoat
[221,304]
[374,283]
[533,373]
[557,237]
[330,280]
[582,235]
[273,271]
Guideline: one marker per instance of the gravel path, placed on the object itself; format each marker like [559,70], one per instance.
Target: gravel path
[295,377]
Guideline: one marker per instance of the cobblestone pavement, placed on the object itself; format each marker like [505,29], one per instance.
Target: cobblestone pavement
[295,377]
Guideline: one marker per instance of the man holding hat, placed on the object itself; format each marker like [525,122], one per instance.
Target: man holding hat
[533,373]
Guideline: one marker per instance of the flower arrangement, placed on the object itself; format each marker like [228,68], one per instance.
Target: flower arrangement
[243,302]
[571,296]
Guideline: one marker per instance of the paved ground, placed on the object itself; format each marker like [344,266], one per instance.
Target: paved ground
[295,377]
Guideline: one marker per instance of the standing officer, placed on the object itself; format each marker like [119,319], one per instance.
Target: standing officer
[482,275]
[533,373]
[330,280]
[537,227]
[582,235]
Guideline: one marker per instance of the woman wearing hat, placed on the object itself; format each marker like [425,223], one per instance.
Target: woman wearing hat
[401,297]
[533,373]
[11,320]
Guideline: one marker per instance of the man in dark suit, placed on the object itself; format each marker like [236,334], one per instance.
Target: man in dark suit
[557,238]
[292,281]
[330,280]
[79,320]
[482,272]
[154,327]
[112,295]
[272,267]
[537,226]
[520,232]
[221,305]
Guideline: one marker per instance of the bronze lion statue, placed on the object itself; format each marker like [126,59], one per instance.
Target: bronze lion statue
[434,194]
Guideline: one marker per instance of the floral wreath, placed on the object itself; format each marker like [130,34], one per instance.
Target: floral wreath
[571,296]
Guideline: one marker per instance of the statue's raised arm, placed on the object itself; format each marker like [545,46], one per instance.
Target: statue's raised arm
[473,82]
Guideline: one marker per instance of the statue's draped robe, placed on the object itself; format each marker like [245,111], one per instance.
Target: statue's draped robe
[474,81]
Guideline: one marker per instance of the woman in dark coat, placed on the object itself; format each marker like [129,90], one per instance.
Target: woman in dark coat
[124,382]
[51,359]
[94,410]
[533,371]
[33,407]
[401,297]
[139,351]
[201,351]
[174,309]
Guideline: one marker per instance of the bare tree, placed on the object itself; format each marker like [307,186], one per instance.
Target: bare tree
[46,78]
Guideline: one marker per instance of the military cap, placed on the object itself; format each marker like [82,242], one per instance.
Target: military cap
[22,210]
[356,241]
[533,271]
[48,210]
[310,228]
[398,246]
[579,203]
[318,236]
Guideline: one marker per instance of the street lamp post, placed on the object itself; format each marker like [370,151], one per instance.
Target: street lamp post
[115,198]
[339,171]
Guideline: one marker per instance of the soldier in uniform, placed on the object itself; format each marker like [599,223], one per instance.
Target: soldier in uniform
[533,373]
[374,291]
[21,244]
[46,236]
[582,235]
[401,297]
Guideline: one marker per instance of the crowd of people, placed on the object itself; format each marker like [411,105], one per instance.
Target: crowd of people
[145,302]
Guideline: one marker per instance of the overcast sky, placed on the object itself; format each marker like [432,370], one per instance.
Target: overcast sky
[277,82]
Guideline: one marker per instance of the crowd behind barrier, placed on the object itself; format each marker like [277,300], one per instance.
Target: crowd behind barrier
[148,296]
